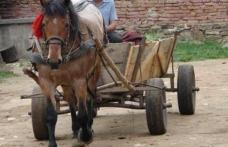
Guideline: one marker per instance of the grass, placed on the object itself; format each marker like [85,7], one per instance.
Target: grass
[6,74]
[193,51]
[153,36]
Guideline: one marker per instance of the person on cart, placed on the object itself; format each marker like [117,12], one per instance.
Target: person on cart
[108,11]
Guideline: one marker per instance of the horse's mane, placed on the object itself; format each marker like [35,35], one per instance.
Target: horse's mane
[57,8]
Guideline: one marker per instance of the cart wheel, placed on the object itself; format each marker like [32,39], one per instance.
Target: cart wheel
[39,105]
[185,86]
[156,113]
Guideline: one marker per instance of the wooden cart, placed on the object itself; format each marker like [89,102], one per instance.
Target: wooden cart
[132,78]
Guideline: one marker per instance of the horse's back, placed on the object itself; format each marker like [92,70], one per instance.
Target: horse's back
[91,18]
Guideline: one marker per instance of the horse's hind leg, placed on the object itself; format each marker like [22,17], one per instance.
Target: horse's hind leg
[85,119]
[75,121]
[51,119]
[70,98]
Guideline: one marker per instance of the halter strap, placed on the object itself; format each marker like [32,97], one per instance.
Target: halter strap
[59,39]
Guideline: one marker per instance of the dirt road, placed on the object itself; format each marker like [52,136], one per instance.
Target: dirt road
[127,128]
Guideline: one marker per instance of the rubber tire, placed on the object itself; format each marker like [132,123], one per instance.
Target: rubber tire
[39,107]
[156,114]
[185,85]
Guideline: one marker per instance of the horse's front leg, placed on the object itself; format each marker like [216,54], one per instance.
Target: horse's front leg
[51,114]
[51,119]
[84,112]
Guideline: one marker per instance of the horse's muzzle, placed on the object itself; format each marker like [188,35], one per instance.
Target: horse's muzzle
[54,65]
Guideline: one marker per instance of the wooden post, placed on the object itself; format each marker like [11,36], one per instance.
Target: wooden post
[109,61]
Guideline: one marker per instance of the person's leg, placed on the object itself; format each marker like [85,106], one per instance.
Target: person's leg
[114,37]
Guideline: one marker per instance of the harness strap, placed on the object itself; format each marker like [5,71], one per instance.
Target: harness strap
[61,40]
[90,74]
[80,51]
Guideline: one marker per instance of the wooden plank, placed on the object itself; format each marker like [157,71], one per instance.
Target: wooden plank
[118,52]
[128,65]
[121,90]
[138,59]
[131,62]
[149,64]
[156,58]
[109,61]
[165,53]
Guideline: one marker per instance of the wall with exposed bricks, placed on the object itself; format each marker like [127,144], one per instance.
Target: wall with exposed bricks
[142,13]
[158,12]
[13,9]
[209,16]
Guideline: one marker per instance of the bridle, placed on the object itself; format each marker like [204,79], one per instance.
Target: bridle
[64,43]
[74,47]
[55,40]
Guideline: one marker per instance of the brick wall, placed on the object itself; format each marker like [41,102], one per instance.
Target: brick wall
[158,12]
[18,8]
[140,13]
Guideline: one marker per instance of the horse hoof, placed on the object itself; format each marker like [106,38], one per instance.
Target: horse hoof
[75,143]
[85,137]
[75,134]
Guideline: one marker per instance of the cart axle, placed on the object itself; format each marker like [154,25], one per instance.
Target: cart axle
[175,89]
[167,105]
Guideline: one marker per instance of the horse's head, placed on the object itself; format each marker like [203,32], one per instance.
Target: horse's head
[58,28]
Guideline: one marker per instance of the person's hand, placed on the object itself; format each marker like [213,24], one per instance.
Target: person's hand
[112,26]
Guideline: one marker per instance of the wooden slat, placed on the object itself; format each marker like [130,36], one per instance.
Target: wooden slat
[131,62]
[149,65]
[165,52]
[103,54]
[121,90]
[155,60]
[118,52]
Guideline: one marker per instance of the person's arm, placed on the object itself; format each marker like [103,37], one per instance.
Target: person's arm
[112,26]
[113,19]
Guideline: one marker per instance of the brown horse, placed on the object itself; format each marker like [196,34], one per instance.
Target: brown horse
[69,59]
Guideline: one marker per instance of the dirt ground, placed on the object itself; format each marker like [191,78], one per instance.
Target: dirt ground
[127,128]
